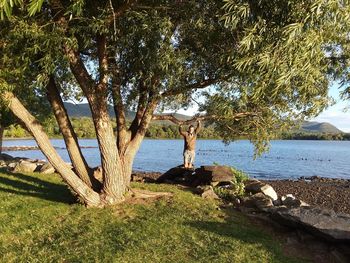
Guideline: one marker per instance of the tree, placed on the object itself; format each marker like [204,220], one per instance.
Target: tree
[256,63]
[5,121]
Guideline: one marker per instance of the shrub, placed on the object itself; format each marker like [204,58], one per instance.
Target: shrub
[236,189]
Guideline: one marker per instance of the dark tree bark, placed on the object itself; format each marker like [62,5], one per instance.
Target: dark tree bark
[2,129]
[78,161]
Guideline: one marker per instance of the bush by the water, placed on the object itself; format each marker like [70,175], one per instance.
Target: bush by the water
[235,189]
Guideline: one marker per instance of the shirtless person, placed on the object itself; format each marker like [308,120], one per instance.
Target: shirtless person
[190,138]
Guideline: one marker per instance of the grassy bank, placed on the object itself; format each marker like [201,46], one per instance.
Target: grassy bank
[39,223]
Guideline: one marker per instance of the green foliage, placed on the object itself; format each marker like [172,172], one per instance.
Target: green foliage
[38,219]
[6,7]
[315,136]
[239,175]
[15,131]
[236,189]
[275,59]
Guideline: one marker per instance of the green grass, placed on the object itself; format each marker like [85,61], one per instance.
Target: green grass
[40,223]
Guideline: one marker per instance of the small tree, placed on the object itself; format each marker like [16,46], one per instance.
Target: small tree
[267,63]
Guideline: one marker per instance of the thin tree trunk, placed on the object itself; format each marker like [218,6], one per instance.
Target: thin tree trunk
[78,161]
[89,197]
[2,129]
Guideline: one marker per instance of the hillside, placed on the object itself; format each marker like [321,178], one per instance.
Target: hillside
[323,127]
[83,110]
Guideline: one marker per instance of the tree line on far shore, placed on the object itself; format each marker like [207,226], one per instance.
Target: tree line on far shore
[85,129]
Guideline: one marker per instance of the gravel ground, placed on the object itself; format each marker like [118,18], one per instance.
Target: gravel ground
[322,192]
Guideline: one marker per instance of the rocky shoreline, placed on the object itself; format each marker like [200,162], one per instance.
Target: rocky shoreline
[320,192]
[327,193]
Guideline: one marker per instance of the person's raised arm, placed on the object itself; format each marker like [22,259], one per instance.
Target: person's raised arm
[181,131]
[199,126]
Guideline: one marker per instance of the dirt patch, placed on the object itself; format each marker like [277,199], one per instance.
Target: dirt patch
[326,193]
[139,196]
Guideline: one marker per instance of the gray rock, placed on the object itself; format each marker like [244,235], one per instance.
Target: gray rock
[290,201]
[258,200]
[201,188]
[176,174]
[255,186]
[11,165]
[25,167]
[209,194]
[137,178]
[324,223]
[269,191]
[47,168]
[3,163]
[214,173]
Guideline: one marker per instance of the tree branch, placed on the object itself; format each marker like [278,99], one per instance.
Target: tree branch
[199,85]
[101,42]
[172,118]
[141,106]
[119,11]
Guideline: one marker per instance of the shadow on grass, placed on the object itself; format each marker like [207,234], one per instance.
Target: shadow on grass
[29,185]
[240,228]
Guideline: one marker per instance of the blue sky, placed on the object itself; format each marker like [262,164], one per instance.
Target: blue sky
[334,114]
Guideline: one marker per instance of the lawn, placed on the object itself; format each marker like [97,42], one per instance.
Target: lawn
[39,222]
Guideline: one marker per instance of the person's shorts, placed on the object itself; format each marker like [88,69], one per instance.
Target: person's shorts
[189,156]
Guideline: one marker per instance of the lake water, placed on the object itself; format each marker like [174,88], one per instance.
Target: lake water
[286,159]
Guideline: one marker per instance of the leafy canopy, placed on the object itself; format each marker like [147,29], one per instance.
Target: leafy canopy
[275,59]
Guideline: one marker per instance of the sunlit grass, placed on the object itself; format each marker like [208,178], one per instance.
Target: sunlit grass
[40,223]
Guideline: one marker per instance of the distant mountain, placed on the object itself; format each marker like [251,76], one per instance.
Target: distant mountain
[319,127]
[83,110]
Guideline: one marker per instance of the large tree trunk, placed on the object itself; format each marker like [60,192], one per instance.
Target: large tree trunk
[78,161]
[2,129]
[114,187]
[89,197]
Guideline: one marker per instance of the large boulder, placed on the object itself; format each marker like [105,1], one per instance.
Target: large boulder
[255,186]
[25,167]
[324,223]
[207,192]
[177,175]
[6,157]
[47,168]
[259,201]
[215,173]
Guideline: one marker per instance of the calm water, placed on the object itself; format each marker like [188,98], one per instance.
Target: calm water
[286,159]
